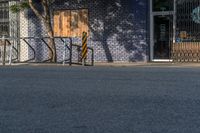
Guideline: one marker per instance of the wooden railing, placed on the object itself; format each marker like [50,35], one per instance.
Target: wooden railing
[186,52]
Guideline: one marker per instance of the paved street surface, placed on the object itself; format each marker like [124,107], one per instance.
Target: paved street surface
[137,99]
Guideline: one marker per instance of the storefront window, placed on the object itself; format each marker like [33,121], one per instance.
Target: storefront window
[188,21]
[163,5]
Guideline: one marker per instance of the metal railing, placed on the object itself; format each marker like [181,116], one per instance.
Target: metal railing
[186,52]
[37,51]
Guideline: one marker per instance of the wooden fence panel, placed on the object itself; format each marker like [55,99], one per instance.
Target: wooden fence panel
[70,23]
[66,18]
[57,21]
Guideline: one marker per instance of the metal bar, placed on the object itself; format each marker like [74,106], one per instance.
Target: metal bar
[34,53]
[65,43]
[76,45]
[76,63]
[64,53]
[174,22]
[89,48]
[10,52]
[92,56]
[18,38]
[70,52]
[16,52]
[4,53]
[49,49]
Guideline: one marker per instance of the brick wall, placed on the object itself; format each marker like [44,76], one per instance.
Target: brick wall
[118,29]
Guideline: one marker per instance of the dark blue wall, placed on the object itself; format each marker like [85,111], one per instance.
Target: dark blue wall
[118,28]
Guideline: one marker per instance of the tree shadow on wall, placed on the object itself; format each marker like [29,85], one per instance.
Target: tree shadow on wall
[117,23]
[123,22]
[36,29]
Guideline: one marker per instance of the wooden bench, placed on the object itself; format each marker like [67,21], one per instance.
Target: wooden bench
[186,52]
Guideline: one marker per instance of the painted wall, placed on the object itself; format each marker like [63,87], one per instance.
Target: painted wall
[118,29]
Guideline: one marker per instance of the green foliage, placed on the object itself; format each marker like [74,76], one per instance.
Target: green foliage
[20,6]
[24,5]
[15,8]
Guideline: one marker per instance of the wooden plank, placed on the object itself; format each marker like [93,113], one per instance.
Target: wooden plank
[70,23]
[83,22]
[56,21]
[74,23]
[66,17]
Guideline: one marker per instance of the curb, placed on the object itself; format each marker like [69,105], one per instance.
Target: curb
[121,64]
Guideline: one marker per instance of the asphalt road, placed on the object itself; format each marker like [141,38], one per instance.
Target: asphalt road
[99,99]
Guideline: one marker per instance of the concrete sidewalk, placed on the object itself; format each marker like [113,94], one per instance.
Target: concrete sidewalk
[148,64]
[117,64]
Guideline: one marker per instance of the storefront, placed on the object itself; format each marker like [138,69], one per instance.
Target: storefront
[174,27]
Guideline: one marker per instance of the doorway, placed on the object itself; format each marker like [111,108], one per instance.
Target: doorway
[163,34]
[162,29]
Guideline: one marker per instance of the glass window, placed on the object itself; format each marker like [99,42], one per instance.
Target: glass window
[188,21]
[4,18]
[163,5]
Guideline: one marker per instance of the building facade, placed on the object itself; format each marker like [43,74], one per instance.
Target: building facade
[119,30]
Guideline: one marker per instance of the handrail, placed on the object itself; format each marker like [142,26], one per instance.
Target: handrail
[64,42]
[89,48]
[49,49]
[68,47]
[34,53]
[16,52]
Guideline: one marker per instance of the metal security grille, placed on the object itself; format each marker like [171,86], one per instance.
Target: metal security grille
[188,21]
[4,18]
[187,46]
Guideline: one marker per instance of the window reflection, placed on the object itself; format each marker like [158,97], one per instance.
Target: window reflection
[188,21]
[163,5]
[4,18]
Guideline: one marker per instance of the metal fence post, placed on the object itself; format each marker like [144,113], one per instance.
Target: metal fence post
[10,54]
[92,57]
[84,48]
[64,54]
[4,51]
[70,55]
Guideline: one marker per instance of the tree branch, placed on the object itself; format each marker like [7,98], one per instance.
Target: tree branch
[35,10]
[44,4]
